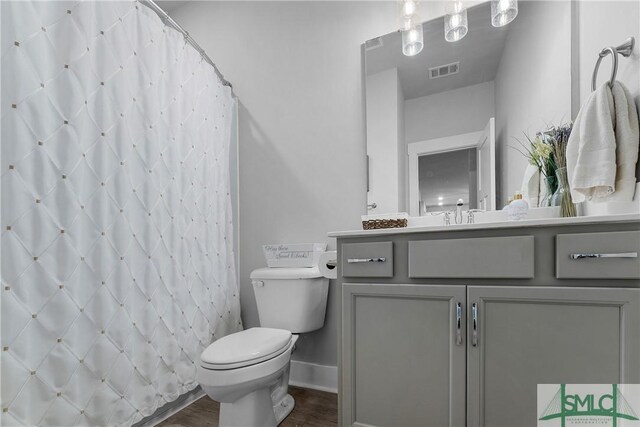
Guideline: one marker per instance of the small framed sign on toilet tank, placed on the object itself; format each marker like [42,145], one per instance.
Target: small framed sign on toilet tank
[294,254]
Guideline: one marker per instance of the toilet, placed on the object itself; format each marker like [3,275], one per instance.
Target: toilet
[248,372]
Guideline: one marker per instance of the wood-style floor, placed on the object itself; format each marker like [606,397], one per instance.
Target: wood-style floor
[313,409]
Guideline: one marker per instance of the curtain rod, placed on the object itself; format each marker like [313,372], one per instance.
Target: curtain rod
[168,20]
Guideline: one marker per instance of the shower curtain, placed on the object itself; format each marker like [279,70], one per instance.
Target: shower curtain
[116,245]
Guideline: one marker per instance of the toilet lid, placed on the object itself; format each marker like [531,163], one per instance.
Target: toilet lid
[245,348]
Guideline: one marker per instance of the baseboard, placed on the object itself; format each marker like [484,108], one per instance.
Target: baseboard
[316,377]
[171,408]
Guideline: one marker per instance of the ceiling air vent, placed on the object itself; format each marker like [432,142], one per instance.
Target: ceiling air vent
[444,70]
[373,43]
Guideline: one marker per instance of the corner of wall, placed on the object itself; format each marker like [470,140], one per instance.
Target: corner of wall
[575,59]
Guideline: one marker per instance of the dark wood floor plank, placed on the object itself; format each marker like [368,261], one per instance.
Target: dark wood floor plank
[313,409]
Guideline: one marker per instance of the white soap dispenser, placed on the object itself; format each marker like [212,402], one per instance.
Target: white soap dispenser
[518,208]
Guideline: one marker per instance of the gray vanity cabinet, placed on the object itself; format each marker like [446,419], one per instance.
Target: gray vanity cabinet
[405,350]
[405,355]
[538,305]
[535,335]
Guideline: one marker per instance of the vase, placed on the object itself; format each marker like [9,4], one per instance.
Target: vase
[552,187]
[562,196]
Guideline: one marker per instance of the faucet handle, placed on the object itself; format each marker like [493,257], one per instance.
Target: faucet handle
[447,216]
[470,215]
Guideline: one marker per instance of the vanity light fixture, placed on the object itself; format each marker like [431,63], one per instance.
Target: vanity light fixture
[409,8]
[412,40]
[455,21]
[503,12]
[412,36]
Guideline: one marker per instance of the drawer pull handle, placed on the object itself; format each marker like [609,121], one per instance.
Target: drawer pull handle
[474,317]
[363,260]
[617,255]
[458,323]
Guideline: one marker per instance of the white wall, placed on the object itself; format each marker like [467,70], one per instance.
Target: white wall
[296,68]
[454,112]
[384,147]
[602,24]
[533,84]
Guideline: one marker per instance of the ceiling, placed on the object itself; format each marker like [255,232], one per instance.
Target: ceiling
[479,54]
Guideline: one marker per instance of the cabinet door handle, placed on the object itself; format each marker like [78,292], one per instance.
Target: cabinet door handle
[458,323]
[474,317]
[363,260]
[615,255]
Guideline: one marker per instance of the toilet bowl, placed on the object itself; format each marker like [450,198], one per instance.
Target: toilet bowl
[248,371]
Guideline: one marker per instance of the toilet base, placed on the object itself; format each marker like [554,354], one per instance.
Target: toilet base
[256,410]
[251,396]
[283,408]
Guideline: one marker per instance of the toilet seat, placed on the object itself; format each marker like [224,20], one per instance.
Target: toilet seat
[245,348]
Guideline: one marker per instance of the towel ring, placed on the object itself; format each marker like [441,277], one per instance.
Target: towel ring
[624,49]
[614,66]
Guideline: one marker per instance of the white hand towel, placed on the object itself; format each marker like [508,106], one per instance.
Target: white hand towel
[627,144]
[603,147]
[591,150]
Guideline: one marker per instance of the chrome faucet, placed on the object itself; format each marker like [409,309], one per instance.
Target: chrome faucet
[447,216]
[458,213]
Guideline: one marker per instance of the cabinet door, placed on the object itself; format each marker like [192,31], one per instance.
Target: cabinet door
[531,335]
[403,355]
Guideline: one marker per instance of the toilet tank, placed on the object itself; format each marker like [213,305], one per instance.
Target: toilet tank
[294,299]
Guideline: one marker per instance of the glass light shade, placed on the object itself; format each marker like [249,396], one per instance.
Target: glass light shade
[455,22]
[406,22]
[409,15]
[412,40]
[503,12]
[409,8]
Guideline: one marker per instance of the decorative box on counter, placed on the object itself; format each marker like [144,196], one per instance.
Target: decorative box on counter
[380,221]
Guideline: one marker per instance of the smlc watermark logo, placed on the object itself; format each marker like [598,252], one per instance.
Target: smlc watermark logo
[615,405]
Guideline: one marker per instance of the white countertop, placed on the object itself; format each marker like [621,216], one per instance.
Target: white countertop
[545,222]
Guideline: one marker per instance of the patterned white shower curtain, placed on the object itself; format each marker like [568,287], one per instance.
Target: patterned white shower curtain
[117,257]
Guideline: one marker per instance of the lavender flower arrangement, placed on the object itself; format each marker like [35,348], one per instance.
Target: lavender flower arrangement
[548,152]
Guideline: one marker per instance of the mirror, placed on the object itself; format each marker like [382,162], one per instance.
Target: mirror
[443,125]
[444,178]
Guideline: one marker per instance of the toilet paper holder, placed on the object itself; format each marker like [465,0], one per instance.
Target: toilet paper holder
[328,264]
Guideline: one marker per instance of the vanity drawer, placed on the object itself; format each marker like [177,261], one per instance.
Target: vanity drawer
[598,255]
[367,259]
[481,258]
